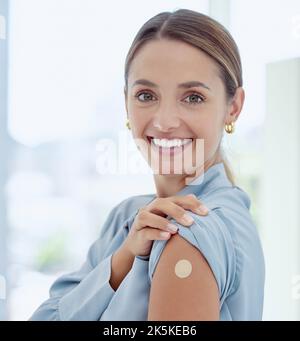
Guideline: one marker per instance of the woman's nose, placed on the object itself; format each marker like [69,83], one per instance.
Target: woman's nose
[166,122]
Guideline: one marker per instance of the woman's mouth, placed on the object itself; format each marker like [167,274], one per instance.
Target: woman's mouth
[169,146]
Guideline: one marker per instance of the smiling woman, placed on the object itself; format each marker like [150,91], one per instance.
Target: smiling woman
[155,260]
[183,81]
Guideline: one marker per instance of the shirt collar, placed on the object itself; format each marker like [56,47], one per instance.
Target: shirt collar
[214,178]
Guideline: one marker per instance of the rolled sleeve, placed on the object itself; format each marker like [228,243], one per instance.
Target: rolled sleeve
[77,296]
[90,297]
[210,235]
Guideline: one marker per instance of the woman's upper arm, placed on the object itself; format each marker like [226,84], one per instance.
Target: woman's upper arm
[195,297]
[209,246]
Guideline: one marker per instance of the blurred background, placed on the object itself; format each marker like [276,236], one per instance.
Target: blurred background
[61,94]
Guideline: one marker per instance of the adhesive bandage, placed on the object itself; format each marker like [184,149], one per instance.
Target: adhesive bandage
[183,268]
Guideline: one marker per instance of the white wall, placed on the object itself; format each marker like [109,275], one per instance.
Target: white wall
[281,191]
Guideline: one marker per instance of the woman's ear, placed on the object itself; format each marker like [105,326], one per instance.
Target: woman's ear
[236,105]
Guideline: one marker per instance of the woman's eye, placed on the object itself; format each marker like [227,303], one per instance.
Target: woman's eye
[194,99]
[147,96]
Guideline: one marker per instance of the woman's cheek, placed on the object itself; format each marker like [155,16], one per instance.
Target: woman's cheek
[210,140]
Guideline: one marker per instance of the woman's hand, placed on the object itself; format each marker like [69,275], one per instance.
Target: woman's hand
[151,223]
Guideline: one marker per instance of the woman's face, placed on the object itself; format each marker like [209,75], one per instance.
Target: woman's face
[161,103]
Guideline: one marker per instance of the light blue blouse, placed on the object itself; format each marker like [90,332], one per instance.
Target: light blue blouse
[227,237]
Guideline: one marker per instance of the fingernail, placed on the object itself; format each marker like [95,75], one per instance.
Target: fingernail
[172,228]
[165,234]
[202,209]
[187,219]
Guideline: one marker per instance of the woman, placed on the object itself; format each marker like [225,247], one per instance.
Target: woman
[183,88]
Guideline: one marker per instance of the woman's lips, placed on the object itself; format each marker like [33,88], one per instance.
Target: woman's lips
[149,138]
[168,150]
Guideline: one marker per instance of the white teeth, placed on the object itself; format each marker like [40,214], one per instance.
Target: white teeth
[170,143]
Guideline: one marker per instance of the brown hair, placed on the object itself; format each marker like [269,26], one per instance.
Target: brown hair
[200,31]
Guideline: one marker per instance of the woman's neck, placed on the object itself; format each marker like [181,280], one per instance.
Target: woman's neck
[169,184]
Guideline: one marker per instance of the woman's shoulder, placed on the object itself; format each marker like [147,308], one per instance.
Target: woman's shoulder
[129,205]
[230,209]
[228,196]
[134,202]
[123,211]
[231,206]
[212,235]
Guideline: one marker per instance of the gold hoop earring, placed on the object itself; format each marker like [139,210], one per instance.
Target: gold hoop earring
[127,124]
[229,127]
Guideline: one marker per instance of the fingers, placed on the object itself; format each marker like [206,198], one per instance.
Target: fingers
[168,207]
[146,218]
[149,233]
[151,221]
[191,202]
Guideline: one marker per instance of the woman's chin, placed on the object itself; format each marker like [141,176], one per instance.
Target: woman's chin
[171,170]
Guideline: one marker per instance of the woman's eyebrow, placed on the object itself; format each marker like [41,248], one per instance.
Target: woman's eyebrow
[185,85]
